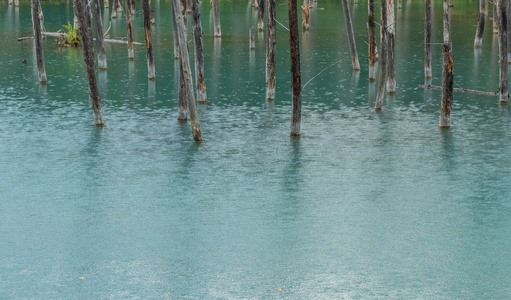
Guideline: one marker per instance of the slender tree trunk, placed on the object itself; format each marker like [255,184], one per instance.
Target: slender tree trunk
[305,17]
[502,25]
[85,31]
[296,81]
[132,7]
[270,50]
[371,25]
[174,32]
[251,35]
[447,74]
[200,78]
[383,57]
[351,37]
[16,3]
[106,4]
[187,75]
[399,4]
[96,11]
[36,22]
[131,52]
[391,49]
[508,13]
[451,3]
[216,18]
[260,16]
[427,41]
[114,9]
[478,41]
[495,17]
[149,45]
[183,12]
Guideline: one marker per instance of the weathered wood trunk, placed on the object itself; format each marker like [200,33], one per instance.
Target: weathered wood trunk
[451,3]
[296,81]
[174,32]
[371,27]
[391,49]
[96,11]
[149,45]
[478,41]
[383,57]
[305,17]
[427,41]
[260,16]
[131,52]
[270,50]
[216,18]
[502,26]
[251,35]
[36,23]
[106,4]
[187,75]
[85,31]
[200,78]
[188,6]
[113,15]
[132,7]
[495,17]
[447,73]
[17,3]
[183,12]
[351,37]
[508,13]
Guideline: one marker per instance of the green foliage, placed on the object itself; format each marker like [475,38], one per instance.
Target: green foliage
[72,36]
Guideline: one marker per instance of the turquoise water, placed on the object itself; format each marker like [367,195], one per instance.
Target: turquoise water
[363,205]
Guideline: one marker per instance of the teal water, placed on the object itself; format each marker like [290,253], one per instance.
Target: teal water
[363,205]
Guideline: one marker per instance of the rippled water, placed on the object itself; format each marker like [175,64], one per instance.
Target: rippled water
[362,205]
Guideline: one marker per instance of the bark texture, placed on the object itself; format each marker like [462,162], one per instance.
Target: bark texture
[260,16]
[351,38]
[270,50]
[427,41]
[391,49]
[36,23]
[383,58]
[305,17]
[174,32]
[96,11]
[296,81]
[251,38]
[131,52]
[199,53]
[216,18]
[478,41]
[114,9]
[149,45]
[502,25]
[447,73]
[371,27]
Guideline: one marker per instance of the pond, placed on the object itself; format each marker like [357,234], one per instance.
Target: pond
[363,205]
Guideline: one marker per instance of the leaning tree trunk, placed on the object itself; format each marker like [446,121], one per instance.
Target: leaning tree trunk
[174,32]
[216,18]
[351,37]
[383,57]
[391,49]
[371,25]
[260,16]
[502,25]
[187,74]
[82,12]
[478,41]
[96,11]
[296,81]
[447,74]
[36,22]
[199,53]
[149,45]
[427,41]
[270,50]
[131,52]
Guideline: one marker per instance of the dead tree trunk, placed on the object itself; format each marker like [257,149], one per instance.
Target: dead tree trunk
[106,4]
[260,16]
[85,31]
[114,9]
[216,18]
[383,57]
[305,17]
[200,78]
[131,52]
[132,7]
[149,45]
[96,11]
[372,40]
[495,17]
[36,23]
[502,25]
[391,49]
[427,41]
[508,32]
[296,81]
[447,74]
[451,3]
[187,75]
[183,12]
[174,32]
[270,50]
[478,41]
[251,38]
[351,37]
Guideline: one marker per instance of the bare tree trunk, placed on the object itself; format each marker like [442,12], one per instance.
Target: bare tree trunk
[183,13]
[187,75]
[296,81]
[131,52]
[149,45]
[399,4]
[508,31]
[383,57]
[174,32]
[351,37]
[447,74]
[270,50]
[371,25]
[391,49]
[188,6]
[478,41]
[16,3]
[106,4]
[132,6]
[216,18]
[36,23]
[427,41]
[85,31]
[502,25]
[495,17]
[102,64]
[305,17]
[251,40]
[114,9]
[451,3]
[200,78]
[260,16]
